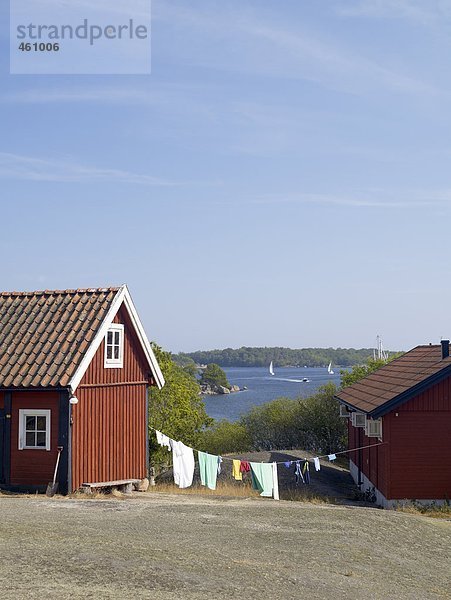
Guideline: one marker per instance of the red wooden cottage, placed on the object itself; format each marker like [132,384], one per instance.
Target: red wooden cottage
[406,405]
[75,367]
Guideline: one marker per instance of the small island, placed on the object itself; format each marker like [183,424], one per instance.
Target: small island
[213,381]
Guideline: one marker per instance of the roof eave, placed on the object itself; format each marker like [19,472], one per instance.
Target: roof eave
[388,406]
[122,296]
[145,344]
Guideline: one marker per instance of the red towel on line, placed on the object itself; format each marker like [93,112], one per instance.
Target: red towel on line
[245,467]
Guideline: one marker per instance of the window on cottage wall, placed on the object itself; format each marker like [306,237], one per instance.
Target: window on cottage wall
[114,346]
[34,429]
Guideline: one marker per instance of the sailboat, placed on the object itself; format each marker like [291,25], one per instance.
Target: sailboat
[329,369]
[380,353]
[271,370]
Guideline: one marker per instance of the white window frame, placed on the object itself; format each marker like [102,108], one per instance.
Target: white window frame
[373,428]
[344,411]
[354,418]
[115,363]
[34,412]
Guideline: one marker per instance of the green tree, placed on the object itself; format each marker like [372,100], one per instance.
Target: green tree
[313,423]
[214,375]
[322,429]
[226,437]
[177,409]
[358,372]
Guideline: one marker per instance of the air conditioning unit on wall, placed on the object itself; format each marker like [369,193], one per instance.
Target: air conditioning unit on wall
[344,411]
[358,419]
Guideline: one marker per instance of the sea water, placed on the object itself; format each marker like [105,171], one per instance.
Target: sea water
[263,387]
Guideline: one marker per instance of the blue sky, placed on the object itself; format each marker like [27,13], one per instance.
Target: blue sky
[281,178]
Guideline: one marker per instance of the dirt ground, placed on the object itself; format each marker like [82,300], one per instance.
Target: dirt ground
[163,546]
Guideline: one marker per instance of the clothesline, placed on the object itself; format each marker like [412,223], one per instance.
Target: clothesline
[284,461]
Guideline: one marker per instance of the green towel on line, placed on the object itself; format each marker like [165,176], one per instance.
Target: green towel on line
[262,478]
[208,467]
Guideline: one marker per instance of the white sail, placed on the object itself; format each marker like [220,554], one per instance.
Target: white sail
[329,369]
[271,370]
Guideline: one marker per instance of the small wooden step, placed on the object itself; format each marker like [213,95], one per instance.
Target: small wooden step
[123,485]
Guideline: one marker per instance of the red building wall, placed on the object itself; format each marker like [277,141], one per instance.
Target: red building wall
[420,445]
[415,461]
[374,462]
[109,430]
[33,467]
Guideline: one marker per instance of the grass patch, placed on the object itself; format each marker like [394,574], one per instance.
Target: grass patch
[223,488]
[242,490]
[305,495]
[434,510]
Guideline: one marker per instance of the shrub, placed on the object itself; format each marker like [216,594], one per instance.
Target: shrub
[225,437]
[311,424]
[274,425]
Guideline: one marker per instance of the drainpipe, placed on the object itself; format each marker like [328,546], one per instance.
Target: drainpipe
[360,459]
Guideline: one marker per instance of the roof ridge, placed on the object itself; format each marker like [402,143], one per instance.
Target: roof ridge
[62,292]
[380,390]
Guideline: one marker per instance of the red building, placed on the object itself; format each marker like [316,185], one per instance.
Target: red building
[406,408]
[75,367]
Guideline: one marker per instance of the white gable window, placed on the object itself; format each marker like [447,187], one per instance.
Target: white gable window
[358,419]
[34,429]
[114,346]
[373,428]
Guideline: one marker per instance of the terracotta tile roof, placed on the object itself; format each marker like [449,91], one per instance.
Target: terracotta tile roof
[393,382]
[44,335]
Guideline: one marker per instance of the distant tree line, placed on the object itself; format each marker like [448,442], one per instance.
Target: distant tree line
[281,357]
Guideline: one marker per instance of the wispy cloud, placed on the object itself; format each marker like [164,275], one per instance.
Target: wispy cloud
[264,44]
[14,166]
[138,8]
[367,199]
[354,71]
[105,95]
[425,12]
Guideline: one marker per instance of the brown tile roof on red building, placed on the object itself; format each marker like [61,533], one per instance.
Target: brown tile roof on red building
[397,381]
[44,335]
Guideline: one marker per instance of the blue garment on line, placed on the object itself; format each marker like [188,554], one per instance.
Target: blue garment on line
[298,472]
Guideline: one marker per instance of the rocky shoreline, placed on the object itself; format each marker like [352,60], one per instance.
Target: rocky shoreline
[213,390]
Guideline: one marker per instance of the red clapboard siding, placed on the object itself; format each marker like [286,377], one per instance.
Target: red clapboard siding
[437,397]
[415,462]
[420,453]
[374,460]
[420,445]
[109,431]
[135,367]
[33,467]
[109,434]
